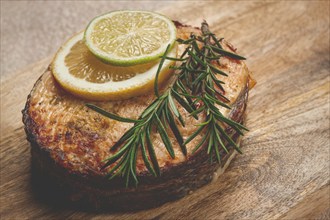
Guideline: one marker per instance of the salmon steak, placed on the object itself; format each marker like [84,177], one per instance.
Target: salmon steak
[70,142]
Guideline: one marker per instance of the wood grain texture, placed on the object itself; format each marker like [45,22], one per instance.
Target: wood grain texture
[284,172]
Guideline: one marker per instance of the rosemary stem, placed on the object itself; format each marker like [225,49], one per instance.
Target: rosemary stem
[196,89]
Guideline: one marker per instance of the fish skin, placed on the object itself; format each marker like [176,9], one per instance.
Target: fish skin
[69,141]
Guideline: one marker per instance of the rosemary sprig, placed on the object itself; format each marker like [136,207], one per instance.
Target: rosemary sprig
[198,90]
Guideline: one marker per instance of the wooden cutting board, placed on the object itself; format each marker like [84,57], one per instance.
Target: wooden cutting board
[285,169]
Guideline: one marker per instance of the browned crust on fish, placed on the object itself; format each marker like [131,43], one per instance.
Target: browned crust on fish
[89,184]
[175,181]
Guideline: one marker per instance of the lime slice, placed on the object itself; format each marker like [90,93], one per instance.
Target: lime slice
[127,38]
[78,71]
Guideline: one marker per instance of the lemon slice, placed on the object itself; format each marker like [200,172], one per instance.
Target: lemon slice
[127,38]
[81,73]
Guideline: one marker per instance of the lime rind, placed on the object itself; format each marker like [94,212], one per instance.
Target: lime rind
[122,61]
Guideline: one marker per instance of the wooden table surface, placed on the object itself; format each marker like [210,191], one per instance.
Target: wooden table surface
[284,172]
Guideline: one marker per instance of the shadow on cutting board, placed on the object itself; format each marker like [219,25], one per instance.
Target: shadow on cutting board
[48,192]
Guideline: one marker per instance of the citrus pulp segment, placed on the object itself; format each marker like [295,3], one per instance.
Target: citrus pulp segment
[78,71]
[127,38]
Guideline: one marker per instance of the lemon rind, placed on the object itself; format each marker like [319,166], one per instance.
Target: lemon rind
[137,85]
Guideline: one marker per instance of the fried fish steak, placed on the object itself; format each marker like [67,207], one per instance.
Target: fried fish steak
[69,142]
